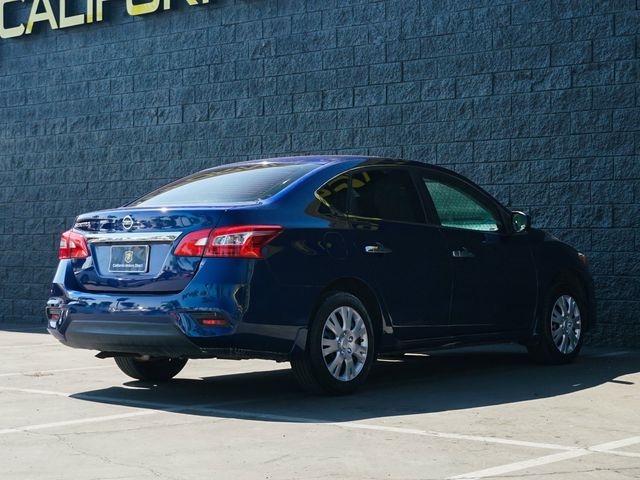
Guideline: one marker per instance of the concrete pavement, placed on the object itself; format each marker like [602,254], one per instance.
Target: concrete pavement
[476,413]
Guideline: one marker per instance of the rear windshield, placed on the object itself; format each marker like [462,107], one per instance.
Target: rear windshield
[246,183]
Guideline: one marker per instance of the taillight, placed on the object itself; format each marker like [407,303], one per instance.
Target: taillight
[244,241]
[72,245]
[193,244]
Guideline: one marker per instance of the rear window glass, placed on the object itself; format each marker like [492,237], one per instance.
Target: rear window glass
[246,183]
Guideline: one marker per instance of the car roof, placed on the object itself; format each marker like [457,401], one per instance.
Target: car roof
[328,159]
[356,161]
[366,161]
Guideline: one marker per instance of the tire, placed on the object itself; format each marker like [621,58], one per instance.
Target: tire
[562,325]
[155,369]
[342,322]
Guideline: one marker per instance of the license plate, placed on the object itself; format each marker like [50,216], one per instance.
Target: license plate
[129,258]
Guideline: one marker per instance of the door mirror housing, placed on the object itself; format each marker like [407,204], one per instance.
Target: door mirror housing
[520,221]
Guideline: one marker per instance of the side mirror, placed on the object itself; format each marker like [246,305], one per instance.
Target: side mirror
[520,221]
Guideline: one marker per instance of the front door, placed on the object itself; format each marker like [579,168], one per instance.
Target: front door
[494,280]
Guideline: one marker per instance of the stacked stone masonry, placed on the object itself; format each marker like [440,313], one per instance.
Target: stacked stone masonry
[538,101]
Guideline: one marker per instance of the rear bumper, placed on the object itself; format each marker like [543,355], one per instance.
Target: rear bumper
[143,337]
[166,333]
[170,325]
[262,319]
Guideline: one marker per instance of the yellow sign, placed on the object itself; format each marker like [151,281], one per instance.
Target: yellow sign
[42,11]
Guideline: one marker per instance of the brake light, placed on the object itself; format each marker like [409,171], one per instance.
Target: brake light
[72,245]
[193,244]
[244,241]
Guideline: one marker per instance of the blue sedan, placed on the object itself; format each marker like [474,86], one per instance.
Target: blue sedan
[327,262]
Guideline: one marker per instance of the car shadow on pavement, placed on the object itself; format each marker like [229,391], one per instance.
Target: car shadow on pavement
[444,381]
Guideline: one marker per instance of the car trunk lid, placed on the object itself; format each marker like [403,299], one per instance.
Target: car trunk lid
[131,249]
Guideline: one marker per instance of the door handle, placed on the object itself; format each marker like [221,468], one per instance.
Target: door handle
[462,253]
[377,248]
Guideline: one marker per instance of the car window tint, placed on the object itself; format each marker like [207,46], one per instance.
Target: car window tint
[458,209]
[385,194]
[245,183]
[334,194]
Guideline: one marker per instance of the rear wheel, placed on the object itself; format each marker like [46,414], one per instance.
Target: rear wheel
[153,369]
[562,329]
[340,347]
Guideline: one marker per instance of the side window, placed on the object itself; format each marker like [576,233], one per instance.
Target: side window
[334,195]
[385,194]
[459,209]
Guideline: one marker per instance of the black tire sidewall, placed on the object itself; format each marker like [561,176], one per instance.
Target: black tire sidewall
[161,369]
[314,344]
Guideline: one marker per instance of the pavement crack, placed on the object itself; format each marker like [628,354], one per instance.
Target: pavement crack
[60,437]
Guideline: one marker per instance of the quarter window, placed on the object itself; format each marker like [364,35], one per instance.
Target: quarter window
[386,195]
[334,195]
[458,209]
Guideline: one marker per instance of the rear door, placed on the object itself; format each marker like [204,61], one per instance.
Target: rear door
[406,256]
[494,280]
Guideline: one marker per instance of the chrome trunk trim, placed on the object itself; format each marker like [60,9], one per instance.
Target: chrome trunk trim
[131,237]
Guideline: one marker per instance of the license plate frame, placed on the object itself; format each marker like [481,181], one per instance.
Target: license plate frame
[137,256]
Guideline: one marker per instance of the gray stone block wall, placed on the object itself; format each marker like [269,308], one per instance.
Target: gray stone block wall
[538,101]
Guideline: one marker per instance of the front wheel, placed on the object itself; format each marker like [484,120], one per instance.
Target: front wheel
[340,347]
[153,369]
[563,325]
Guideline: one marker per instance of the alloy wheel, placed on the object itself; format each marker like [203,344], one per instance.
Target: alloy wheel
[566,324]
[345,343]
